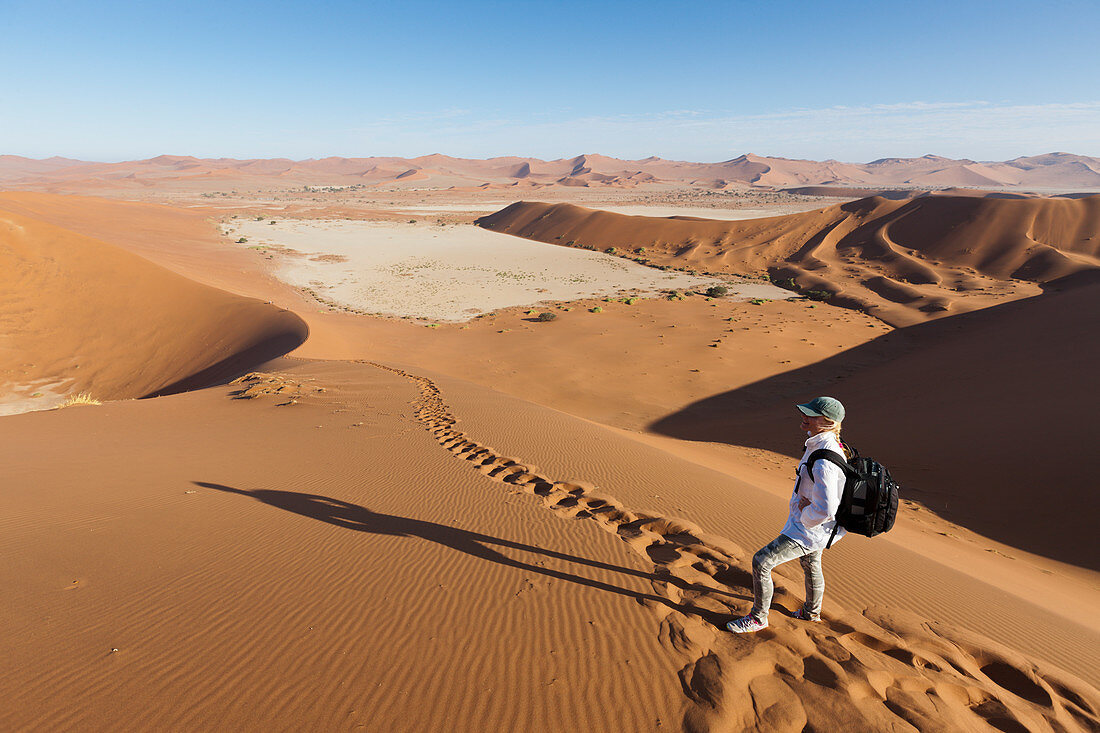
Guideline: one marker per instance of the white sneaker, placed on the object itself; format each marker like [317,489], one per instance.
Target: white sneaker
[746,625]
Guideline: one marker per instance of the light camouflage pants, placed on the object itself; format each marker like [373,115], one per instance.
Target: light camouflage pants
[780,550]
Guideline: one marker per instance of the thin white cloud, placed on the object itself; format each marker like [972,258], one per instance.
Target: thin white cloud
[977,129]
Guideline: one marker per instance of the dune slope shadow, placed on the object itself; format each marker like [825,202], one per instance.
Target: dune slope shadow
[984,417]
[261,347]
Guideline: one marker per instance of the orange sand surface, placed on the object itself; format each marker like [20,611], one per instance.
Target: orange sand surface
[513,524]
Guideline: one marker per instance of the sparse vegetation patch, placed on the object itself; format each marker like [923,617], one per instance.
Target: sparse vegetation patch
[83,398]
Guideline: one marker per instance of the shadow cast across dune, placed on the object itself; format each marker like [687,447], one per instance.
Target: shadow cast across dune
[286,334]
[977,416]
[361,519]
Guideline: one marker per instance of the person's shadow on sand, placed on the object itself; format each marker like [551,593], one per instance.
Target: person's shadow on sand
[352,516]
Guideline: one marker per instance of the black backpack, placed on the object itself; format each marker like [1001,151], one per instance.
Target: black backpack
[869,503]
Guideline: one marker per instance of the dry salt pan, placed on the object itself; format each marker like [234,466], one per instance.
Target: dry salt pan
[451,273]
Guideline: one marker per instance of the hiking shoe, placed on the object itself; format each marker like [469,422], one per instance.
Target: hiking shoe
[802,615]
[746,625]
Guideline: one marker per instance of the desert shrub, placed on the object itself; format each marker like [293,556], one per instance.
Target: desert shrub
[611,250]
[259,218]
[242,240]
[758,301]
[817,294]
[630,301]
[546,317]
[597,309]
[717,291]
[271,222]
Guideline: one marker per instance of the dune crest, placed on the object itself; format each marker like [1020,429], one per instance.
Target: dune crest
[904,261]
[961,398]
[79,315]
[859,671]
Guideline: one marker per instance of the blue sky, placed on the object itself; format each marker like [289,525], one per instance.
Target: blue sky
[687,80]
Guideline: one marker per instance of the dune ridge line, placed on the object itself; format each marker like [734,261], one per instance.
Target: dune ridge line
[902,261]
[866,670]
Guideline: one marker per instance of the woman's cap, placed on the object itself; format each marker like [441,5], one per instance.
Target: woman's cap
[829,407]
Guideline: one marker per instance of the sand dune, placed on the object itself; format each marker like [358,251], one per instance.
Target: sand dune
[324,565]
[79,315]
[902,261]
[1053,170]
[182,240]
[335,592]
[412,543]
[986,414]
[629,490]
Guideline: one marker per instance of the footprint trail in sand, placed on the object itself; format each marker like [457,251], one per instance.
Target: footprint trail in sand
[876,670]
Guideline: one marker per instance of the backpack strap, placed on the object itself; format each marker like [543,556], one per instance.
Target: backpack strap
[824,454]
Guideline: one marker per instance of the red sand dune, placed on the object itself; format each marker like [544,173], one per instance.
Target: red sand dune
[1058,170]
[333,551]
[903,261]
[90,317]
[987,418]
[342,544]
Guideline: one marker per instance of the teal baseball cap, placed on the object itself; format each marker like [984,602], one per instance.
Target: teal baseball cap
[829,407]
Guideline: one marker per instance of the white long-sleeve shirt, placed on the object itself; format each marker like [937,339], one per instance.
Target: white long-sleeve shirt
[812,524]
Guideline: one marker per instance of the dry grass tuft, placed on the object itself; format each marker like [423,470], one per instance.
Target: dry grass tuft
[80,399]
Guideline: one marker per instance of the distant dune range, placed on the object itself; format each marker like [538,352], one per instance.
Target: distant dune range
[1062,171]
[80,315]
[904,261]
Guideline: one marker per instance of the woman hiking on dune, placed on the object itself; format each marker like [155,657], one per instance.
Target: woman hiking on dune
[811,523]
